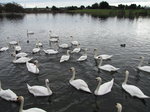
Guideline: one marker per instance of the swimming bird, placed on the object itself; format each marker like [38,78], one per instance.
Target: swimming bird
[36,49]
[53,35]
[40,90]
[13,42]
[33,67]
[73,42]
[4,49]
[7,94]
[119,107]
[79,84]
[77,49]
[21,60]
[143,68]
[51,51]
[106,67]
[38,43]
[104,88]
[65,57]
[30,32]
[131,89]
[104,56]
[64,46]
[84,56]
[123,45]
[19,55]
[21,99]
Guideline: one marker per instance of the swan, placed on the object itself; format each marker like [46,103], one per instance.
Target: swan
[4,49]
[131,89]
[53,39]
[32,67]
[8,94]
[77,49]
[38,43]
[53,36]
[84,56]
[19,55]
[21,99]
[106,67]
[143,68]
[104,88]
[65,57]
[104,56]
[13,43]
[17,48]
[51,51]
[36,50]
[74,42]
[40,90]
[79,84]
[64,46]
[30,32]
[21,60]
[119,107]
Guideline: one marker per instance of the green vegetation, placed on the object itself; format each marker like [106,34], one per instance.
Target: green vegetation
[115,12]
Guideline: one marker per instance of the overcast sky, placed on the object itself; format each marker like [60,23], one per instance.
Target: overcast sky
[62,3]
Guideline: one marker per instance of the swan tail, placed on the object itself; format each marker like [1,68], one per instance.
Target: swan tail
[28,86]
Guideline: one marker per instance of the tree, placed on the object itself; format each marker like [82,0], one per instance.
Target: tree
[104,5]
[95,6]
[54,8]
[121,6]
[82,7]
[88,7]
[47,7]
[1,8]
[132,6]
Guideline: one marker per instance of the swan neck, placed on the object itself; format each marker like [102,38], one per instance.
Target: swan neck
[49,90]
[68,53]
[100,63]
[95,53]
[0,86]
[73,75]
[21,106]
[120,109]
[126,79]
[140,64]
[98,86]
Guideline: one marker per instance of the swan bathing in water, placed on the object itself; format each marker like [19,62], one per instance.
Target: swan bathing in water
[84,56]
[33,67]
[65,57]
[143,68]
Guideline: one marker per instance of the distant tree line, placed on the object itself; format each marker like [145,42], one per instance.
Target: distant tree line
[11,8]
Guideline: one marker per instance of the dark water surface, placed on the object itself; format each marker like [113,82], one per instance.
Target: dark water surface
[106,34]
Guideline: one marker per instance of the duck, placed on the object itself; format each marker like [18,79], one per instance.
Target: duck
[33,67]
[65,57]
[131,89]
[8,94]
[83,57]
[104,88]
[21,99]
[2,49]
[106,67]
[40,90]
[21,60]
[104,56]
[74,42]
[77,49]
[79,84]
[119,107]
[143,68]
[123,45]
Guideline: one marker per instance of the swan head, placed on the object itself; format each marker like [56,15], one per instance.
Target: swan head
[99,58]
[36,61]
[98,79]
[20,98]
[72,69]
[127,72]
[46,80]
[119,107]
[95,49]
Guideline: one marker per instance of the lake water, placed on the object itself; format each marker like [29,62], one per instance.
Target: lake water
[106,34]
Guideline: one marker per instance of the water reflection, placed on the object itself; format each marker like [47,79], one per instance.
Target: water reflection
[12,16]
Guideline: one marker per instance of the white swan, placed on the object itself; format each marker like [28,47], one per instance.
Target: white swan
[17,48]
[65,57]
[64,46]
[53,39]
[30,32]
[143,68]
[38,43]
[8,94]
[104,88]
[32,67]
[104,56]
[13,43]
[79,84]
[74,42]
[53,35]
[19,55]
[21,60]
[40,90]
[77,49]
[50,51]
[106,67]
[4,49]
[131,89]
[84,56]
[119,107]
[20,98]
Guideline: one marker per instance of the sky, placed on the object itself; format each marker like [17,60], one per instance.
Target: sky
[63,3]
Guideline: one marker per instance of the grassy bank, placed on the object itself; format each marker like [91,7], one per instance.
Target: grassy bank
[115,12]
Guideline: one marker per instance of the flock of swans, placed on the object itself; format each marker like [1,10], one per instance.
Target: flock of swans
[79,84]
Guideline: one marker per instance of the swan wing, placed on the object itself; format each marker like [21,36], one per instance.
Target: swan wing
[64,58]
[32,68]
[35,50]
[144,68]
[22,60]
[21,54]
[8,95]
[105,56]
[80,85]
[105,88]
[34,110]
[38,90]
[76,50]
[134,91]
[4,49]
[82,58]
[75,42]
[108,68]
